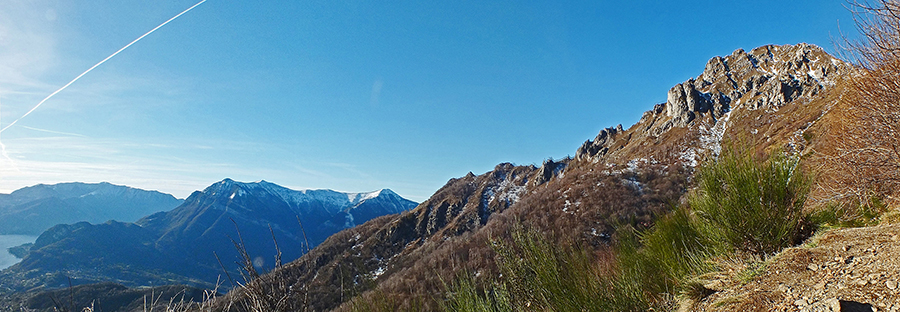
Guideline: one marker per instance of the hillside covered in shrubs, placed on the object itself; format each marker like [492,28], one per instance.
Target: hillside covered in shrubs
[711,201]
[759,153]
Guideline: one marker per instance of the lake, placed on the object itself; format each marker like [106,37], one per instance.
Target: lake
[6,241]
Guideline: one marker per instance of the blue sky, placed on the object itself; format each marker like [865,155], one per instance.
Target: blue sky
[351,96]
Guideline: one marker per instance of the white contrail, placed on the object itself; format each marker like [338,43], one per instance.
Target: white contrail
[98,64]
[53,132]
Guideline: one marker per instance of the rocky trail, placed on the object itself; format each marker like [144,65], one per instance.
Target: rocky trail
[851,269]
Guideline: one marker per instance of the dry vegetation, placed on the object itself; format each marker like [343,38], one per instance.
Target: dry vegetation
[742,207]
[580,210]
[465,248]
[861,158]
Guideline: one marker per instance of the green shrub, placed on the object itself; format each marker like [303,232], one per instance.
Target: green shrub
[753,206]
[378,301]
[466,296]
[676,248]
[850,215]
[740,204]
[539,276]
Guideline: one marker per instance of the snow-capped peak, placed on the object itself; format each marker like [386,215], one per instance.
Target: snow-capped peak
[356,198]
[330,199]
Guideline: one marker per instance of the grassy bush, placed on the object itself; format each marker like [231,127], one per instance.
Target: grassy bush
[676,248]
[540,276]
[740,205]
[753,206]
[378,301]
[466,296]
[850,215]
[543,276]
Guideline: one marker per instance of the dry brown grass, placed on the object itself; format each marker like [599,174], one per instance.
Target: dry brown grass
[863,154]
[598,202]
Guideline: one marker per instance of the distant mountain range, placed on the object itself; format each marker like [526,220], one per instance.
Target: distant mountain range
[34,209]
[182,245]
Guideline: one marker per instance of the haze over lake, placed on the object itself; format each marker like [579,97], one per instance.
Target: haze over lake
[6,241]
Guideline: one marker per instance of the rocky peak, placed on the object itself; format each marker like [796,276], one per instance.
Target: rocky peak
[466,203]
[599,145]
[549,170]
[767,77]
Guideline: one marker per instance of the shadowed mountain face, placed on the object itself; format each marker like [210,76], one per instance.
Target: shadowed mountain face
[34,209]
[181,245]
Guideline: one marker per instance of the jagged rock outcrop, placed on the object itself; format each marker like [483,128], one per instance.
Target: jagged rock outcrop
[767,77]
[549,169]
[599,145]
[467,202]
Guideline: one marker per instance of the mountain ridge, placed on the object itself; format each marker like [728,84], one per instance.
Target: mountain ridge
[770,99]
[189,243]
[31,210]
[333,201]
[620,179]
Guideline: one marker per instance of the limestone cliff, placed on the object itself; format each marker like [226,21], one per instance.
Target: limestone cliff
[766,78]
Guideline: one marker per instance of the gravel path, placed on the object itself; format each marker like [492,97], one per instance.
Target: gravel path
[854,269]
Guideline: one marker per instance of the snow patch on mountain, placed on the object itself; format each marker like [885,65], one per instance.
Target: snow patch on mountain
[332,201]
[507,192]
[711,138]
